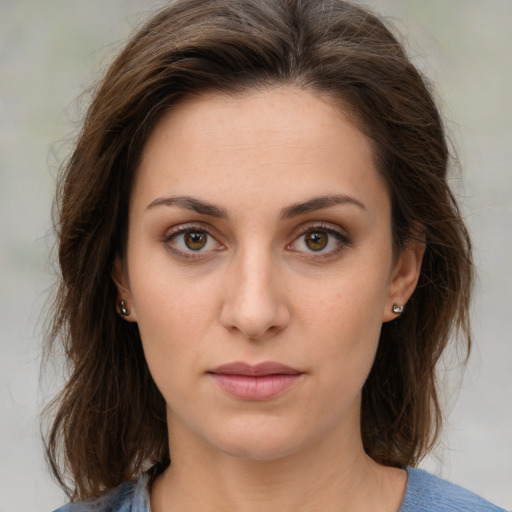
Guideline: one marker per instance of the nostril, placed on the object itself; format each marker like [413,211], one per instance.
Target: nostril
[271,330]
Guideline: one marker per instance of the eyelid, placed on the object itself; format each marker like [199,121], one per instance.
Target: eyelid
[183,228]
[187,226]
[322,226]
[333,230]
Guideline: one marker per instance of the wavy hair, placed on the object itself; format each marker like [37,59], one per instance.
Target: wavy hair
[109,420]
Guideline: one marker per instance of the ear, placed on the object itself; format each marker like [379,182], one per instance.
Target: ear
[404,277]
[124,302]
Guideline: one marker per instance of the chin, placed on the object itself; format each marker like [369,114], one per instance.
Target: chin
[260,441]
[259,450]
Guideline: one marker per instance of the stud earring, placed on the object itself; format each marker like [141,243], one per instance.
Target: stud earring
[123,308]
[398,309]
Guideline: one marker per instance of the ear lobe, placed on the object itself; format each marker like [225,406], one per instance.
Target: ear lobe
[404,277]
[124,303]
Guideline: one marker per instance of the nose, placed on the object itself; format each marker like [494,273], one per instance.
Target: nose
[254,302]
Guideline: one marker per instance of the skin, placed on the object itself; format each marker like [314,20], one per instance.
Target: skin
[256,291]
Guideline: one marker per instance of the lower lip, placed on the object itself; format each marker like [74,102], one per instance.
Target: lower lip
[256,388]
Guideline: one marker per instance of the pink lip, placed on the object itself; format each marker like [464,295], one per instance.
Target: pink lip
[260,382]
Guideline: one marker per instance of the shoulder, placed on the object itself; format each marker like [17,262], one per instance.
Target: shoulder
[128,497]
[428,493]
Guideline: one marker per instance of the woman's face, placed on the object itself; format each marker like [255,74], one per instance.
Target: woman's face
[259,268]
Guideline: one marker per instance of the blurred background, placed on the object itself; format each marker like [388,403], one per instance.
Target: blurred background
[51,51]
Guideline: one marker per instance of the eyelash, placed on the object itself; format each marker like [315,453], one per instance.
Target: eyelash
[188,254]
[341,239]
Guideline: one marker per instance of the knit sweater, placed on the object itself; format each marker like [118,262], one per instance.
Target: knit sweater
[424,493]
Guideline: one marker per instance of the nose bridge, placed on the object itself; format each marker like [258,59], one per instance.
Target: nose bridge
[255,270]
[252,304]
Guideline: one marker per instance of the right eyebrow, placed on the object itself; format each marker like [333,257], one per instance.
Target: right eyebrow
[189,203]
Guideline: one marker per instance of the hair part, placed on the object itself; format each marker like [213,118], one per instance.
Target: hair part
[110,418]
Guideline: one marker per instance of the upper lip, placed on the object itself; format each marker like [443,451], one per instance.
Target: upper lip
[265,368]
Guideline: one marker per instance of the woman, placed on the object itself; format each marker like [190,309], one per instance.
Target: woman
[261,265]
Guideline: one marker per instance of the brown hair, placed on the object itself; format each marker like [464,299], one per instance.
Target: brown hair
[109,423]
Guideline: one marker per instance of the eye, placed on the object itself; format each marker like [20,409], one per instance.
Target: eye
[320,239]
[195,240]
[316,241]
[187,241]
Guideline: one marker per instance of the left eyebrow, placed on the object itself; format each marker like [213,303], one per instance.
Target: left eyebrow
[319,203]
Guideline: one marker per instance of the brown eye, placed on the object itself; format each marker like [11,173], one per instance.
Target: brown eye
[195,240]
[192,243]
[320,242]
[316,240]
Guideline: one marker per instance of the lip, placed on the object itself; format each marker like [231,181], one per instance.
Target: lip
[263,381]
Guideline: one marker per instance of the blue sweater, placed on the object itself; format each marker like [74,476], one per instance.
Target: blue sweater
[424,493]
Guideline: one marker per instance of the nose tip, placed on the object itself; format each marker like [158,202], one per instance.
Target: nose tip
[255,323]
[258,325]
[254,304]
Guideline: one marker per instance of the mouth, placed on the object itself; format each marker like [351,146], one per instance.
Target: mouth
[259,382]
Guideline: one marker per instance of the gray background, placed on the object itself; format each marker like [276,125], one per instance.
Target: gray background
[51,51]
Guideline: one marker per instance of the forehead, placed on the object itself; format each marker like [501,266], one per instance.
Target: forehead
[256,144]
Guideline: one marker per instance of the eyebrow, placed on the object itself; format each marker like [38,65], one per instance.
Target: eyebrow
[190,203]
[294,210]
[319,203]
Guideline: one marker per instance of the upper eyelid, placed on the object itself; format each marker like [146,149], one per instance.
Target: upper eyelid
[326,226]
[190,226]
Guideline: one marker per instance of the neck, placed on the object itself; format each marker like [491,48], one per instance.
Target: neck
[319,478]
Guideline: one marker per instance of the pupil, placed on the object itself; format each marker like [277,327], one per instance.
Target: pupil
[195,240]
[316,241]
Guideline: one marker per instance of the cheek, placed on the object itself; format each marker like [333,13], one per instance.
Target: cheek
[172,321]
[172,330]
[347,301]
[173,314]
[164,293]
[343,323]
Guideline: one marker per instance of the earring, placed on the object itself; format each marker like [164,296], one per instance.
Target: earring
[398,309]
[123,308]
